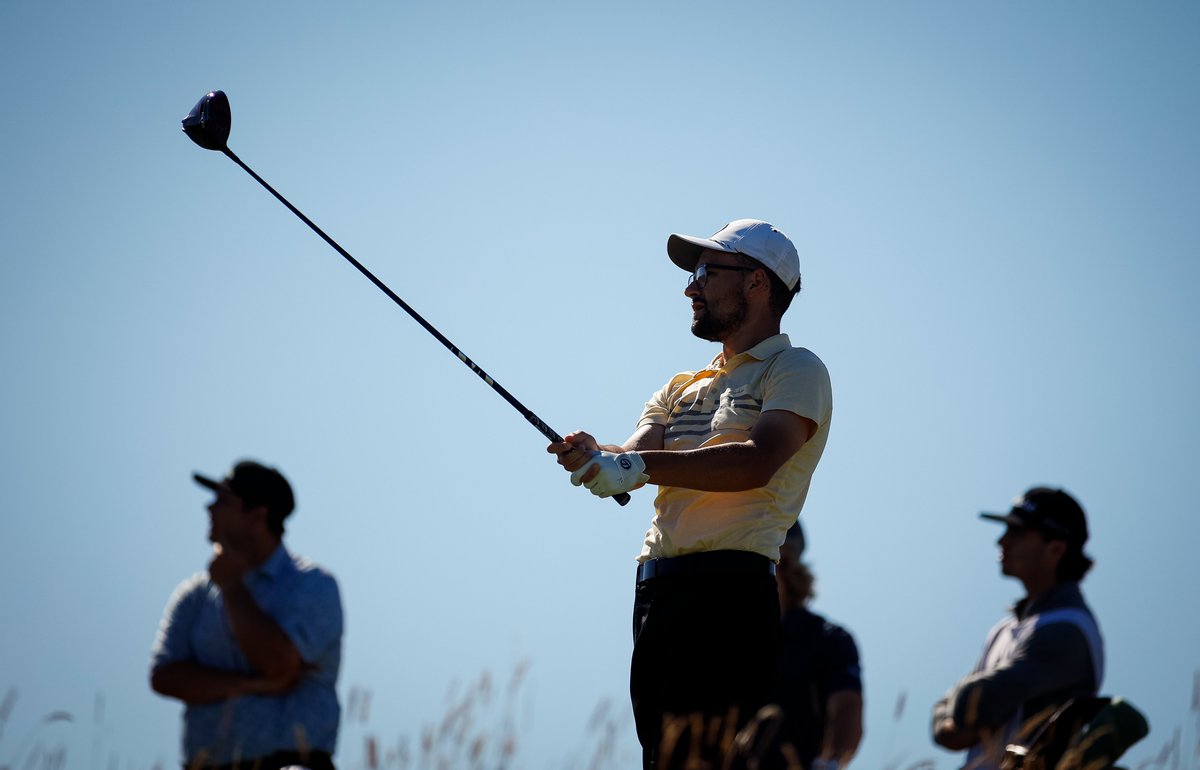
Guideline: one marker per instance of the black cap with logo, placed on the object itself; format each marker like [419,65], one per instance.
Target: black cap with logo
[1052,511]
[255,484]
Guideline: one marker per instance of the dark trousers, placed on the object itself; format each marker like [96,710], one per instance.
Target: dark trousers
[313,760]
[705,651]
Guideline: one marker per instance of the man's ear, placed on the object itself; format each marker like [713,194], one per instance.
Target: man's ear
[1056,549]
[258,514]
[760,281]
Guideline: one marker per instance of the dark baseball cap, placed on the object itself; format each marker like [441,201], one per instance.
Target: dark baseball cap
[255,484]
[1052,511]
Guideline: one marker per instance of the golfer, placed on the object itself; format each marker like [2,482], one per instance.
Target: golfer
[732,448]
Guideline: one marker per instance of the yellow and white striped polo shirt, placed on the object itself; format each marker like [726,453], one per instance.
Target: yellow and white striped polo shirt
[721,404]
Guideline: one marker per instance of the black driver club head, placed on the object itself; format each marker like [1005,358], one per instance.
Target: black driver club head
[208,123]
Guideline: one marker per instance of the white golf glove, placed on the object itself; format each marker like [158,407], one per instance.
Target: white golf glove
[619,473]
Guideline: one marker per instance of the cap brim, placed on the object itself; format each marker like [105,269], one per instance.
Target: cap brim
[1004,518]
[684,250]
[204,481]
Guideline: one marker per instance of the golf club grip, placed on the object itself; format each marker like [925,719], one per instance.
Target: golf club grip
[528,414]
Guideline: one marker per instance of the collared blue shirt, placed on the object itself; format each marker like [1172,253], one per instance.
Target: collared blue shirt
[303,599]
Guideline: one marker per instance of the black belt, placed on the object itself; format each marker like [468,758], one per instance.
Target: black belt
[316,760]
[707,563]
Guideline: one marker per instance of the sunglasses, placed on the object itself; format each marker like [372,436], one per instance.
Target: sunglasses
[699,276]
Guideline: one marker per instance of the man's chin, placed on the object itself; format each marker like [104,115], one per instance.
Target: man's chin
[704,331]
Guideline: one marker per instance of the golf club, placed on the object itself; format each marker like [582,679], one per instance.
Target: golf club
[208,126]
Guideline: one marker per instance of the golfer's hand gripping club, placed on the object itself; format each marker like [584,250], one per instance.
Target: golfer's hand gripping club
[615,473]
[208,125]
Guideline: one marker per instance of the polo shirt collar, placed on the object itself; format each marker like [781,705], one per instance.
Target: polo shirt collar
[761,352]
[276,563]
[1062,595]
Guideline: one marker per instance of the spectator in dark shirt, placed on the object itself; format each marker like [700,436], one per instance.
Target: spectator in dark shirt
[820,680]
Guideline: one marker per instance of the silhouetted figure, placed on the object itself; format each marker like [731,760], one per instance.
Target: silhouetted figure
[820,677]
[252,646]
[1047,652]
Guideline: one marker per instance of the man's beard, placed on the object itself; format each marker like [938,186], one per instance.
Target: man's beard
[714,326]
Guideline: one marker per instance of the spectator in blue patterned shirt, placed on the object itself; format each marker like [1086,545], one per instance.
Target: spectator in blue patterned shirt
[252,646]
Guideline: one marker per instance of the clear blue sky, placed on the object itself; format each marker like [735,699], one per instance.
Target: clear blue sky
[996,209]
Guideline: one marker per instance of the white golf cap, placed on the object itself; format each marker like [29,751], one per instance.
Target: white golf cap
[753,237]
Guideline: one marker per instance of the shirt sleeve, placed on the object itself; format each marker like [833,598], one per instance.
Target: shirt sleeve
[313,622]
[173,641]
[842,670]
[658,409]
[798,382]
[1053,659]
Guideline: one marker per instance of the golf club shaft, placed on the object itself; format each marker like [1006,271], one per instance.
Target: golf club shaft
[533,419]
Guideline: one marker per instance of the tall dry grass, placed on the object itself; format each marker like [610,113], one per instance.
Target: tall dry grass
[482,729]
[35,750]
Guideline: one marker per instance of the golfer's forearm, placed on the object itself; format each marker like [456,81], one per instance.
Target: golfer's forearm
[193,683]
[724,468]
[260,638]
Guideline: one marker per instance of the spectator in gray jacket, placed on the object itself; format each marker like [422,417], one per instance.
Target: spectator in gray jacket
[1046,652]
